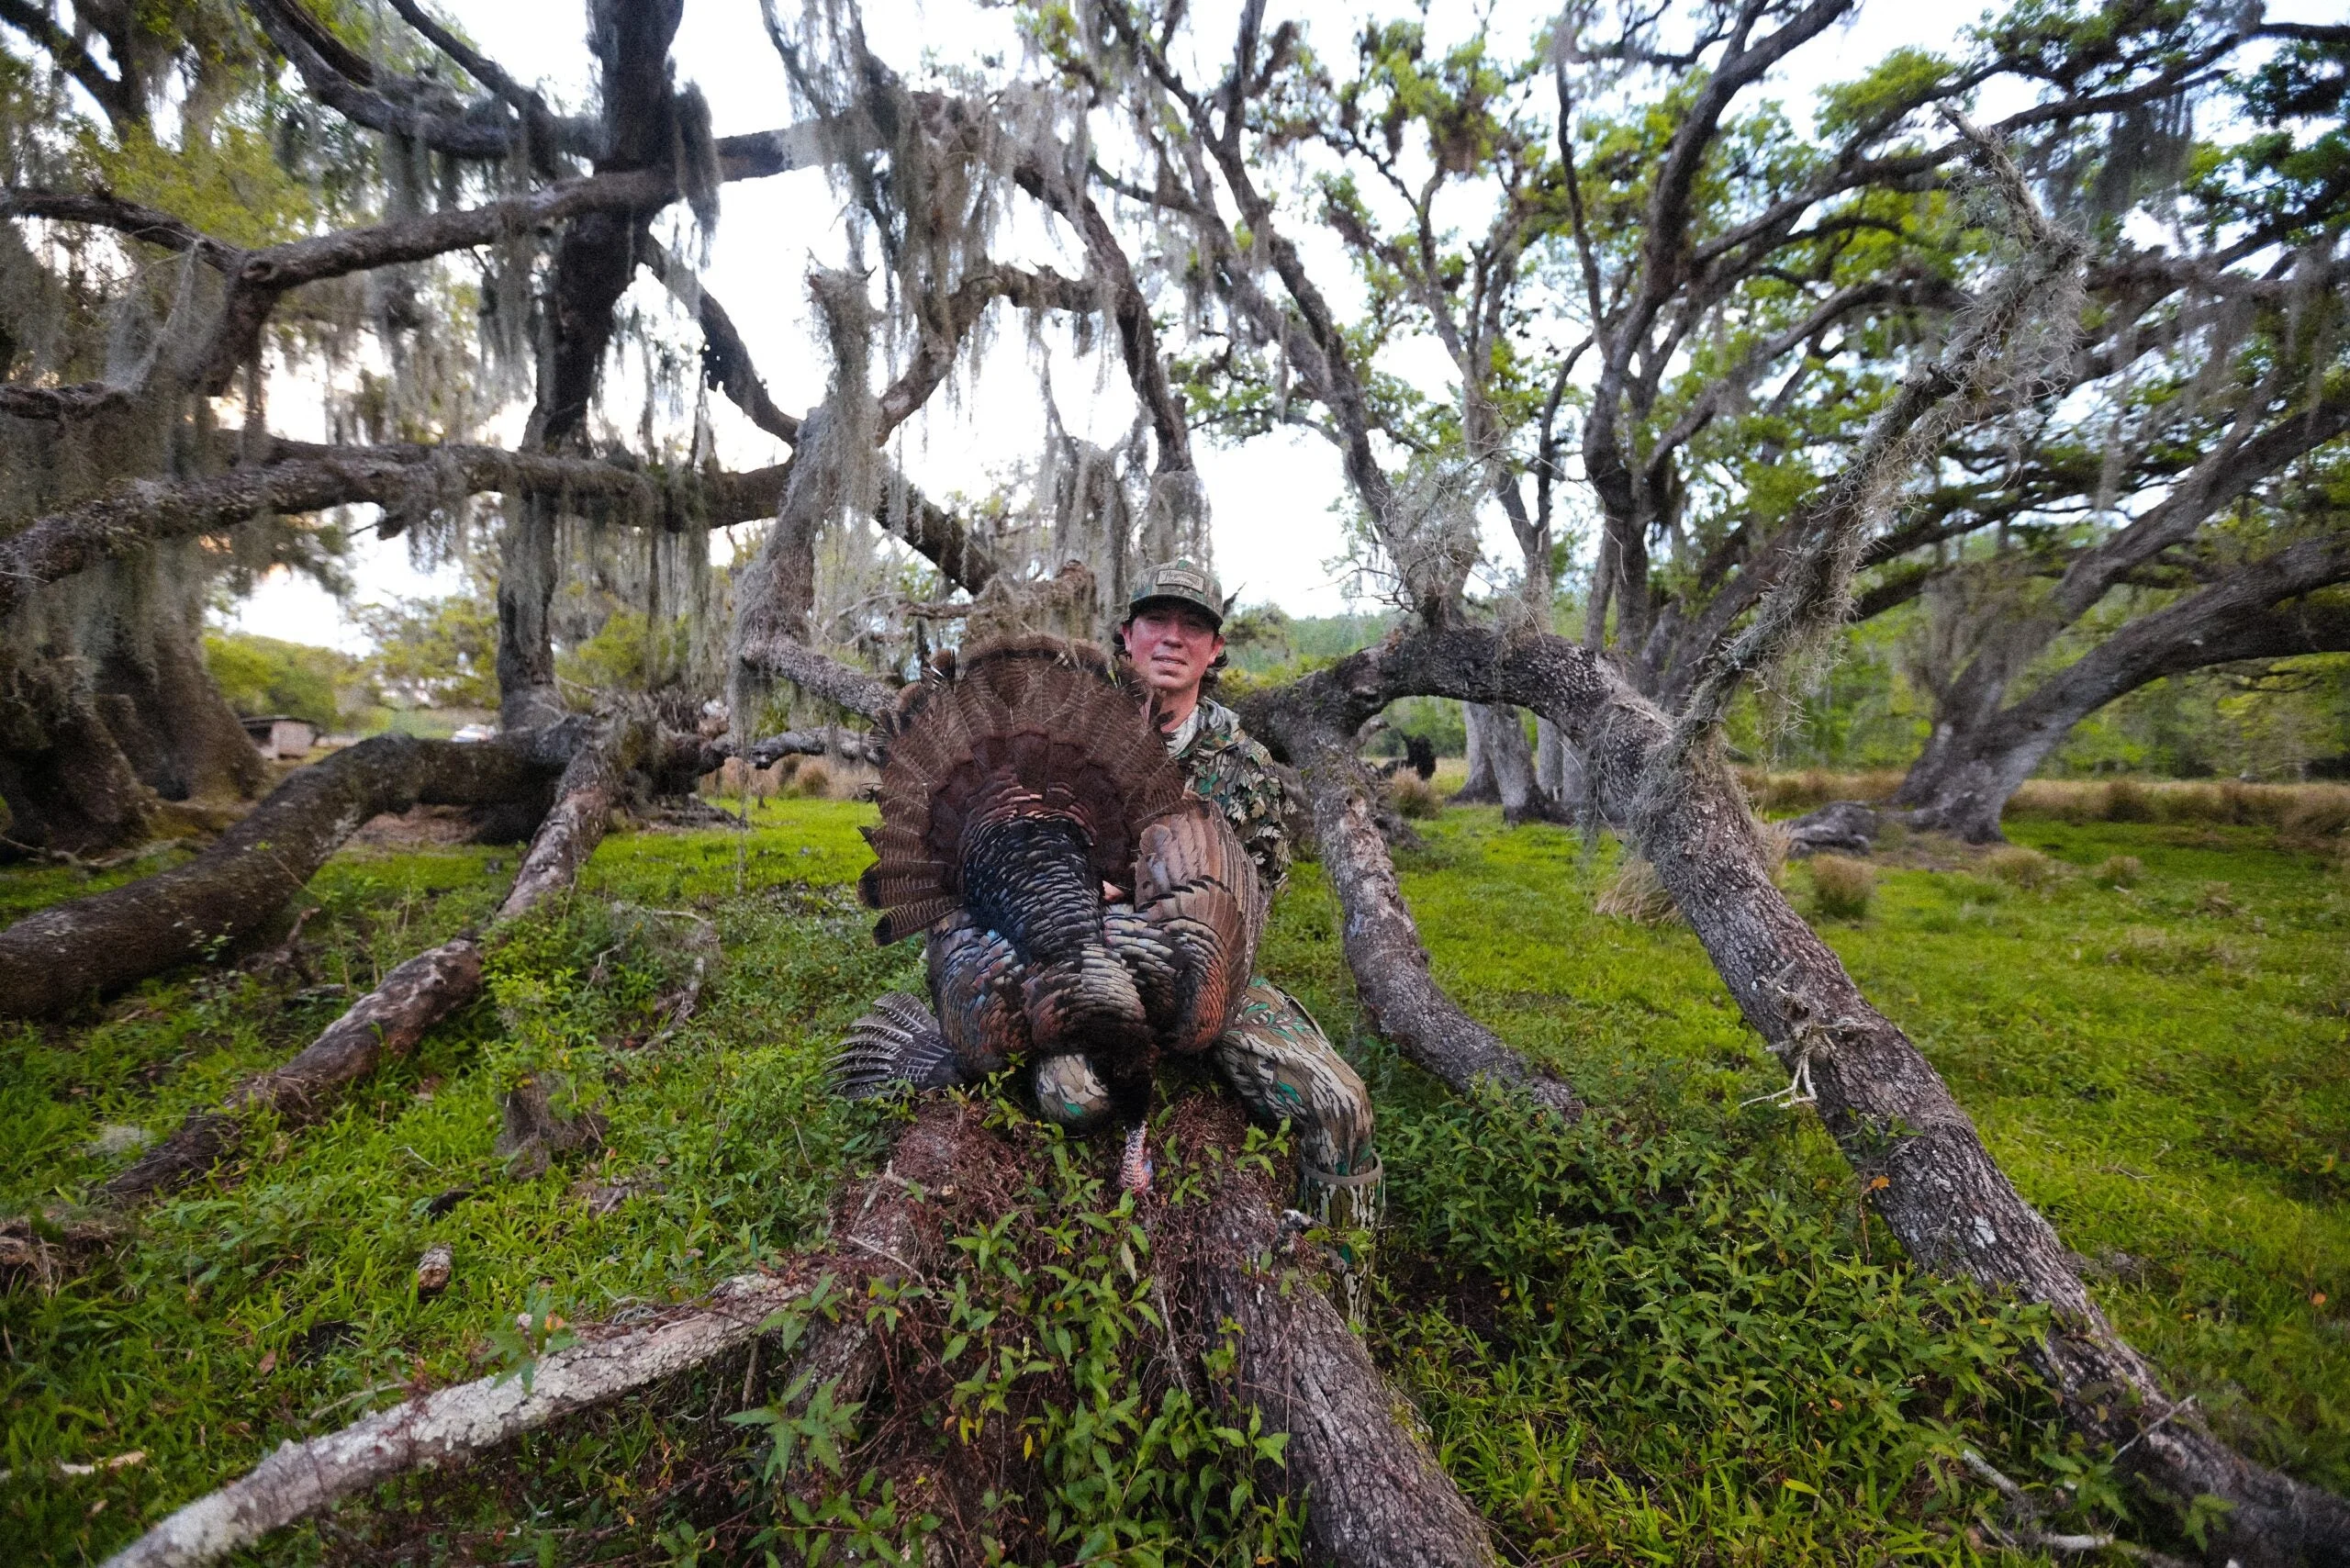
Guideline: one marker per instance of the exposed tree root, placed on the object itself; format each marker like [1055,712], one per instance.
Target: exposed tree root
[388,1022]
[1943,1196]
[89,947]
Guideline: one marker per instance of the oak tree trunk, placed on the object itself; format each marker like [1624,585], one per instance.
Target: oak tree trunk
[64,781]
[1482,788]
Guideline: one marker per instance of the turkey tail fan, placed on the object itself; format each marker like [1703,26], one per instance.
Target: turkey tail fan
[897,1045]
[1022,727]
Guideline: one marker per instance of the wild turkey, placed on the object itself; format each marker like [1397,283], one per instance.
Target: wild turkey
[1021,778]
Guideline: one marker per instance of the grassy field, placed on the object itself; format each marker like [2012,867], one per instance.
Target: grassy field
[1671,1333]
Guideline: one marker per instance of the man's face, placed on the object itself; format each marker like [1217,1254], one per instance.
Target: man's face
[1171,645]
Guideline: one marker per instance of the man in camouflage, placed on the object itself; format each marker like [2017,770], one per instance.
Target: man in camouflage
[1275,1056]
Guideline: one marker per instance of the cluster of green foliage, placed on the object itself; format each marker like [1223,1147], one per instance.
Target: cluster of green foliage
[1671,1331]
[436,653]
[263,675]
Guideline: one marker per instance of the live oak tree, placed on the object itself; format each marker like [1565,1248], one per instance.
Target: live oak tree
[1771,356]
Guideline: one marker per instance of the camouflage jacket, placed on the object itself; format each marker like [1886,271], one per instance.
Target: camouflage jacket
[1222,764]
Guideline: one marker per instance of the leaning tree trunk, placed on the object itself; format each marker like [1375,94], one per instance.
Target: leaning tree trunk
[89,947]
[1382,944]
[1942,1194]
[1981,752]
[1373,1495]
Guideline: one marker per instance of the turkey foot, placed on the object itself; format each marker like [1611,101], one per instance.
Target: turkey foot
[1134,1170]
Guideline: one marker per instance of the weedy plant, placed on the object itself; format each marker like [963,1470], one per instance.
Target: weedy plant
[2119,871]
[1673,1333]
[2021,866]
[1841,888]
[1413,796]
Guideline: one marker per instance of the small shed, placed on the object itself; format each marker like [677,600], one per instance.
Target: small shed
[277,736]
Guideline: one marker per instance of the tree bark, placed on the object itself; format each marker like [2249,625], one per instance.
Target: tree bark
[1482,787]
[304,478]
[593,264]
[64,781]
[388,1020]
[70,952]
[1558,771]
[386,1023]
[457,1425]
[1516,776]
[1945,1199]
[1374,1496]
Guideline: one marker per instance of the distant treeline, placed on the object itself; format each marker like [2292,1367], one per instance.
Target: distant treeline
[1865,706]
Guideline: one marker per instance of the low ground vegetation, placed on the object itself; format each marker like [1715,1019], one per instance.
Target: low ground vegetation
[1671,1333]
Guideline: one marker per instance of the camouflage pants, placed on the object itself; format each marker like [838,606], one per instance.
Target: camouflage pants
[1284,1068]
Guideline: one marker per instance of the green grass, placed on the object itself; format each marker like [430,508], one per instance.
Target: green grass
[1665,1334]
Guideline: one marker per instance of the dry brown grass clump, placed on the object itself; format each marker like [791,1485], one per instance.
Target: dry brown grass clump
[1636,893]
[2021,867]
[736,778]
[2127,800]
[812,781]
[1413,796]
[2119,871]
[2306,812]
[1841,888]
[1799,792]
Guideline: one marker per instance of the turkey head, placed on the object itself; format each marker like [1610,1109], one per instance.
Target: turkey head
[1021,778]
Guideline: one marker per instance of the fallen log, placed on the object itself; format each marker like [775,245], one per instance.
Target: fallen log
[456,1424]
[89,947]
[1943,1196]
[388,1020]
[1373,1495]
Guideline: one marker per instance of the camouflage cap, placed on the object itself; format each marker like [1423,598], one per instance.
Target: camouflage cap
[1181,579]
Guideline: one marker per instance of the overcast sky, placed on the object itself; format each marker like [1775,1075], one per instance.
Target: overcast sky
[1274,503]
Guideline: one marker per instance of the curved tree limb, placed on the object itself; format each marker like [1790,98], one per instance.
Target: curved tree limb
[412,109]
[1382,944]
[79,401]
[107,211]
[312,478]
[1374,1496]
[548,133]
[786,659]
[63,955]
